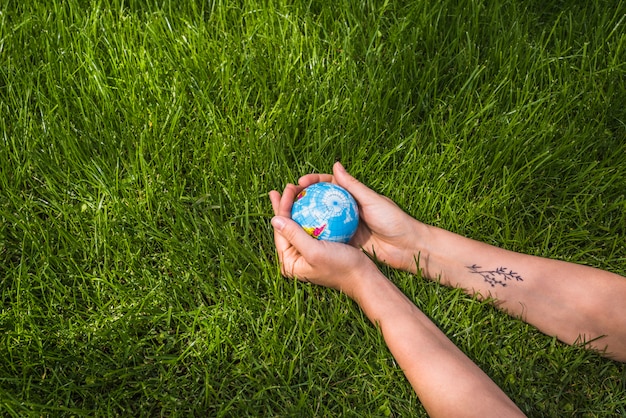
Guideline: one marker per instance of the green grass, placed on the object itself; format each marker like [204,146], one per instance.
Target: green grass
[138,141]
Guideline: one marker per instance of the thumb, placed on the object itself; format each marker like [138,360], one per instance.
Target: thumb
[292,232]
[361,192]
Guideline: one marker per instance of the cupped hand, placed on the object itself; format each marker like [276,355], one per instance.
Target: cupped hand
[385,231]
[301,256]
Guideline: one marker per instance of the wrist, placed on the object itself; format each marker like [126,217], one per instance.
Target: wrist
[366,282]
[381,301]
[417,251]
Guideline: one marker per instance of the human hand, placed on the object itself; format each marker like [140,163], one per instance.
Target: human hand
[301,256]
[385,231]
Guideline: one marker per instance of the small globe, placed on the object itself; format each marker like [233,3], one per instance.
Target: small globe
[327,212]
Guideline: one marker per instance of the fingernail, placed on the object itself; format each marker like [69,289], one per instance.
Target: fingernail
[278,223]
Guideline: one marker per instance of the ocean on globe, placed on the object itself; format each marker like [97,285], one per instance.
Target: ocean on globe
[327,212]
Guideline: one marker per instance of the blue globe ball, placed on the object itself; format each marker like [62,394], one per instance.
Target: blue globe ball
[327,212]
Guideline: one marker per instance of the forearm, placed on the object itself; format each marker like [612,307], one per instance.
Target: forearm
[447,382]
[575,303]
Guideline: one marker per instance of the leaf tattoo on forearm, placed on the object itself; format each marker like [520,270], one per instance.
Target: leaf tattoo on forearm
[500,276]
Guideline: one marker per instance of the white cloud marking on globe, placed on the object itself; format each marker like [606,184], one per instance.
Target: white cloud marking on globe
[336,203]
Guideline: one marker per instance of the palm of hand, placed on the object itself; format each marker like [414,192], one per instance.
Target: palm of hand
[326,264]
[384,233]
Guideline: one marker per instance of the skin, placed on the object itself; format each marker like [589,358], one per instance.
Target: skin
[575,303]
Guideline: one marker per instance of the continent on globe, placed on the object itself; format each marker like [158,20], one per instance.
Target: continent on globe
[327,212]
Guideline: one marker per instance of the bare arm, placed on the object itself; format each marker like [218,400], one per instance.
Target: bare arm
[447,382]
[575,303]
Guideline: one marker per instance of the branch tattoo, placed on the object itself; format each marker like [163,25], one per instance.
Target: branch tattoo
[500,276]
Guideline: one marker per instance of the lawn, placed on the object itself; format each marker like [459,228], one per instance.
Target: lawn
[139,139]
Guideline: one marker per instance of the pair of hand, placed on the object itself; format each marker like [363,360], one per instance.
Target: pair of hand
[385,232]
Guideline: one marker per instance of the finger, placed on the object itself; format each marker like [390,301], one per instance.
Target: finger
[295,235]
[307,180]
[361,192]
[282,245]
[275,199]
[287,252]
[280,242]
[287,199]
[282,207]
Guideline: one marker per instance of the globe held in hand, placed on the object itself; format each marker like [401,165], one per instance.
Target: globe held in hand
[327,212]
